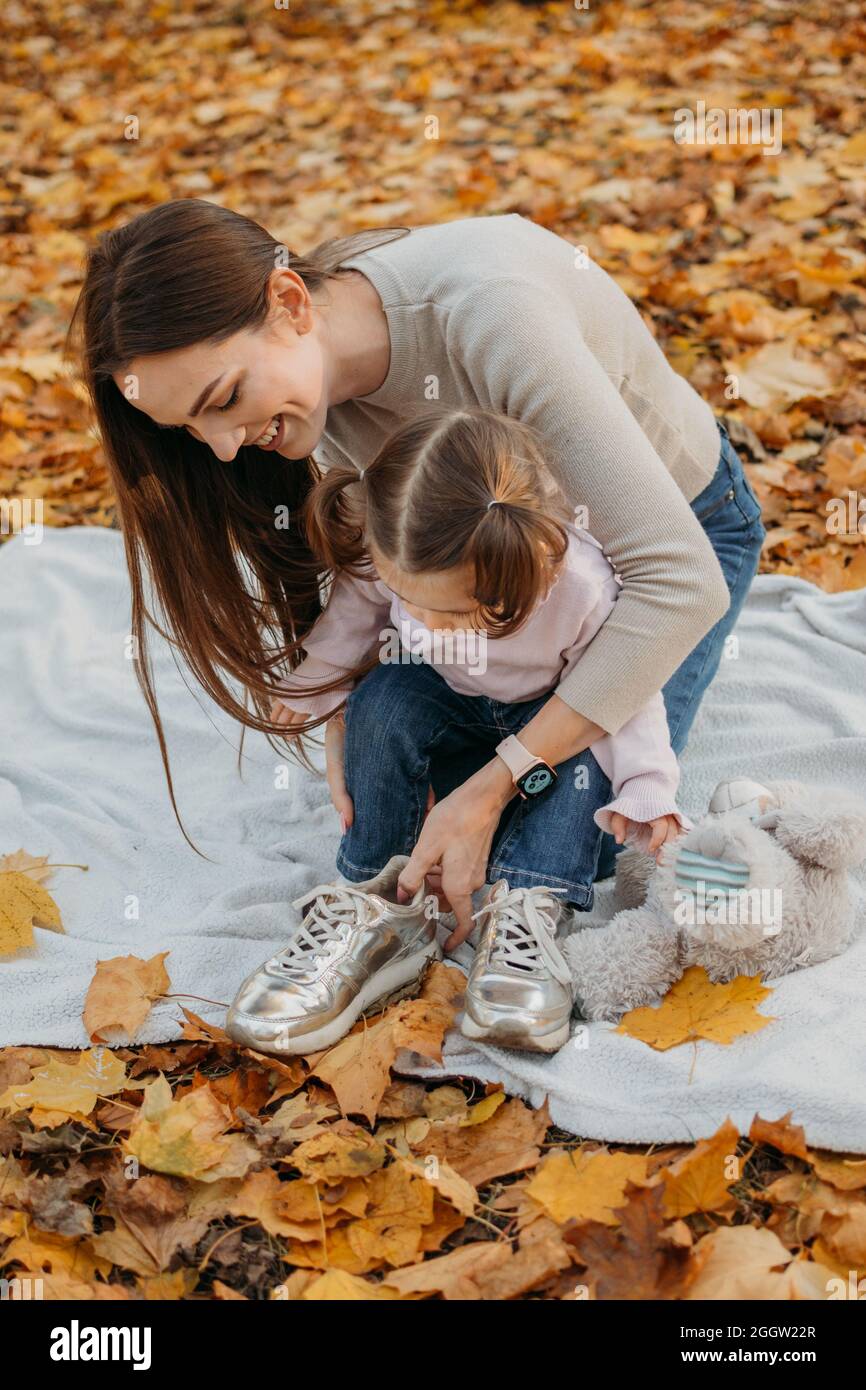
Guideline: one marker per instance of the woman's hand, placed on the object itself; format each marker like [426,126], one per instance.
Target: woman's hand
[660,830]
[457,836]
[335,740]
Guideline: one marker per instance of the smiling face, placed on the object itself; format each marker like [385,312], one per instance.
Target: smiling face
[441,599]
[265,386]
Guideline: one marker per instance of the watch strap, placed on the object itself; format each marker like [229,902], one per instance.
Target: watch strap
[516,757]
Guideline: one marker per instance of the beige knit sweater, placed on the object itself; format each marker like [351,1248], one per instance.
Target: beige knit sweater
[500,313]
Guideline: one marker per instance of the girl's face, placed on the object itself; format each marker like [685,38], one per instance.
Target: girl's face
[441,599]
[264,387]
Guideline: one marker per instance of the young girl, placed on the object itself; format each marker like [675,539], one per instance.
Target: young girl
[456,530]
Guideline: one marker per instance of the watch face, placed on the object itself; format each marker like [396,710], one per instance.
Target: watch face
[535,781]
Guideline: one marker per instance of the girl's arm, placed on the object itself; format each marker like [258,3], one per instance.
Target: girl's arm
[345,634]
[643,772]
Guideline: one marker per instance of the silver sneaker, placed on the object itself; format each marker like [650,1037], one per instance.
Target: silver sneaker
[357,948]
[519,992]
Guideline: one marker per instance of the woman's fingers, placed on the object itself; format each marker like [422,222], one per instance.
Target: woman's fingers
[461,906]
[421,861]
[335,742]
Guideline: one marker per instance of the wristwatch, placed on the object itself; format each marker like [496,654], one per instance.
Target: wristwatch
[530,775]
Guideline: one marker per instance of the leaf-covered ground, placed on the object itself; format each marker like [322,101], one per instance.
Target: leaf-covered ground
[202,1170]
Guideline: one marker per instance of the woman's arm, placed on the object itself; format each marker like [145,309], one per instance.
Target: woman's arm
[458,831]
[524,354]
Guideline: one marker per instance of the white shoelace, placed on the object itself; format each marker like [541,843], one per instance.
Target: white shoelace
[334,908]
[525,930]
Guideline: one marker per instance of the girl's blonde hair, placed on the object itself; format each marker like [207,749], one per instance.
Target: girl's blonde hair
[449,488]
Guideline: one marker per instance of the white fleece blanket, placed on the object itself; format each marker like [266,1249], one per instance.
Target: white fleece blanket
[81,781]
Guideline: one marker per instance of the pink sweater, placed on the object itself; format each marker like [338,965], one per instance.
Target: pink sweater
[360,617]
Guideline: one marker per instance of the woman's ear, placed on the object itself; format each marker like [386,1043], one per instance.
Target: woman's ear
[288,293]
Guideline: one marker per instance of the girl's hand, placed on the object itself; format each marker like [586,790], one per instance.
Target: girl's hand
[335,739]
[662,829]
[281,714]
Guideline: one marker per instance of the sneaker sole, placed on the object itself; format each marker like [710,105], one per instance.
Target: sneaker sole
[509,1033]
[396,981]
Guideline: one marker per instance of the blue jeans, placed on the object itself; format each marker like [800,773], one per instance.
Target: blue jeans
[407,729]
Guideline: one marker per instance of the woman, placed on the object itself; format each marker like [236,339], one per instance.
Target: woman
[212,355]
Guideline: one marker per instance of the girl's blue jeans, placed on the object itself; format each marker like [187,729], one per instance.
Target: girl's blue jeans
[407,729]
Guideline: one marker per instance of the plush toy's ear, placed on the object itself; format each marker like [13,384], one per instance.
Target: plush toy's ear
[740,794]
[822,826]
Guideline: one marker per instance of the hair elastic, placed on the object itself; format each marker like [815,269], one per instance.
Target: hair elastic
[494,502]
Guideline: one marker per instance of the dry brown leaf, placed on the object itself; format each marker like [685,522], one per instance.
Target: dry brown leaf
[359,1068]
[121,994]
[787,1138]
[506,1143]
[745,1262]
[454,1275]
[700,1180]
[633,1259]
[187,1137]
[844,1171]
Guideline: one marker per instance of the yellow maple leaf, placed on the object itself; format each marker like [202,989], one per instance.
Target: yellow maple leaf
[582,1186]
[70,1091]
[696,1008]
[23,905]
[47,1250]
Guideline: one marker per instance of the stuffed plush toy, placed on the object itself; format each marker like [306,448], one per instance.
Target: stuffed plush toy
[758,886]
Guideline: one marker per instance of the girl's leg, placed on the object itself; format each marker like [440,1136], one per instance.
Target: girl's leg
[730,513]
[397,720]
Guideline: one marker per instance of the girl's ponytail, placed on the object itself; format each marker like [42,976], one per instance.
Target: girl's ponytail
[515,548]
[334,523]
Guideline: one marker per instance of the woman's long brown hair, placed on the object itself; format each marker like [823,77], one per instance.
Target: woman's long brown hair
[228,567]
